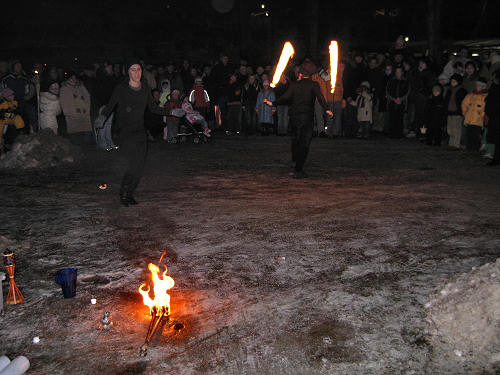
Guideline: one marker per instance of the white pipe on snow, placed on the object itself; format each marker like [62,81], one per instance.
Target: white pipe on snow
[4,361]
[18,366]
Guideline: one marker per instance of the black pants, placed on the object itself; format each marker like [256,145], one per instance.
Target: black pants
[396,122]
[473,137]
[135,148]
[434,135]
[302,131]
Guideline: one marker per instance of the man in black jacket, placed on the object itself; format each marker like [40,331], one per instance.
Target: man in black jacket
[131,100]
[301,96]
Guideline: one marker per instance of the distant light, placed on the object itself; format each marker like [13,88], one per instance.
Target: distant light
[407,39]
[76,58]
[36,71]
[267,14]
[44,64]
[262,6]
[475,54]
[454,53]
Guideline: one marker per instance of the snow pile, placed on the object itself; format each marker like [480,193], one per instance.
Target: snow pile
[43,149]
[464,320]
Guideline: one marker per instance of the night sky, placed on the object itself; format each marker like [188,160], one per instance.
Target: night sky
[174,29]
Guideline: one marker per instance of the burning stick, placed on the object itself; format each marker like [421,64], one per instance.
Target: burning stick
[286,53]
[334,60]
[159,307]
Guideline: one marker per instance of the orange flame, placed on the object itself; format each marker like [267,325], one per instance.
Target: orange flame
[160,288]
[334,61]
[286,53]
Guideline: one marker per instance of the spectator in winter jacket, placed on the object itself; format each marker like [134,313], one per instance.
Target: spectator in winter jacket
[24,91]
[264,112]
[364,104]
[171,128]
[233,94]
[473,107]
[470,77]
[50,106]
[492,110]
[397,93]
[75,104]
[453,105]
[9,114]
[421,91]
[436,116]
[164,91]
[199,98]
[248,101]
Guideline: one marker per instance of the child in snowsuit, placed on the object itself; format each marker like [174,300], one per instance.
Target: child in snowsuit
[171,122]
[364,102]
[8,114]
[473,109]
[195,118]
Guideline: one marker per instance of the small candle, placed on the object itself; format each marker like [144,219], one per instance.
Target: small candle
[93,301]
[36,340]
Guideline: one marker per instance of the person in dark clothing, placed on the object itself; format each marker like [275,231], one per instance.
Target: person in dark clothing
[248,101]
[397,92]
[131,100]
[421,90]
[453,104]
[233,94]
[301,96]
[492,110]
[436,117]
[105,84]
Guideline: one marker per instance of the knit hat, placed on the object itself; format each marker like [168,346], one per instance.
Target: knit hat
[443,77]
[6,92]
[437,88]
[365,84]
[482,81]
[457,77]
[308,67]
[131,61]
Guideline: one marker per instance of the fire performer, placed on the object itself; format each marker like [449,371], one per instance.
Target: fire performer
[131,99]
[301,96]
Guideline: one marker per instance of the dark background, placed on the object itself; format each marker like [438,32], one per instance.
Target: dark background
[157,30]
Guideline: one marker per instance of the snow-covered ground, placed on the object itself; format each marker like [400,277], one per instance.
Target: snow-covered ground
[327,275]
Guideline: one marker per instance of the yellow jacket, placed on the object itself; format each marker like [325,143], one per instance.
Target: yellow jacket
[473,109]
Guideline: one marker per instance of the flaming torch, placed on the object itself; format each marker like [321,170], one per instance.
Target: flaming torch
[159,306]
[334,60]
[286,54]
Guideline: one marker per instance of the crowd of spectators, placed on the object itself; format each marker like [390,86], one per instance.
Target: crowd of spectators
[397,94]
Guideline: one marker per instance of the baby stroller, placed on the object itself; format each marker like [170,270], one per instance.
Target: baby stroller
[193,125]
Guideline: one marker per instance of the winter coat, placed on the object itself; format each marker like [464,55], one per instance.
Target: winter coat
[353,76]
[473,108]
[17,83]
[199,97]
[75,104]
[423,82]
[364,102]
[324,87]
[50,108]
[104,87]
[233,93]
[469,82]
[436,112]
[249,94]
[264,111]
[397,88]
[460,94]
[172,104]
[301,96]
[492,110]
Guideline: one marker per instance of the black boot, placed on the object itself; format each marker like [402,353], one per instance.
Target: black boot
[130,193]
[124,190]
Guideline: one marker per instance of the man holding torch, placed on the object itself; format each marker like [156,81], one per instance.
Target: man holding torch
[301,96]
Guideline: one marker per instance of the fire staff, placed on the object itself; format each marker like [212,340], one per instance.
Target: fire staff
[131,99]
[301,96]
